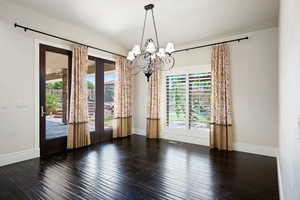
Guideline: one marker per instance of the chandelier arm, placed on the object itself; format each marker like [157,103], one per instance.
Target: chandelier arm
[154,24]
[169,68]
[144,27]
[173,64]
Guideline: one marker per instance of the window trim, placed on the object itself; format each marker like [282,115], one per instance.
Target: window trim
[202,132]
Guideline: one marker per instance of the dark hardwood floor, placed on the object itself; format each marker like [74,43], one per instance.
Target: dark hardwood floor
[137,168]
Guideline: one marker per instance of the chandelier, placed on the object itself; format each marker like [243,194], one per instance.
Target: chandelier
[149,57]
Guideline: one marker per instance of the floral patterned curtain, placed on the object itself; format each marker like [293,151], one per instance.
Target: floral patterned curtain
[122,123]
[153,120]
[221,105]
[78,127]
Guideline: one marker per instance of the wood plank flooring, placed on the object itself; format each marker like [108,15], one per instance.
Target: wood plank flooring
[137,168]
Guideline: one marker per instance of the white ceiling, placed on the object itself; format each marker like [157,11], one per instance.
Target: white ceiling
[181,21]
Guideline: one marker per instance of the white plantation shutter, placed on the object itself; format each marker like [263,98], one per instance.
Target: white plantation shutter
[188,100]
[199,100]
[176,101]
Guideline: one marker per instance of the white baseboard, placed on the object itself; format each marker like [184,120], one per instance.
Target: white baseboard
[187,139]
[279,179]
[256,149]
[139,132]
[10,158]
[176,137]
[242,147]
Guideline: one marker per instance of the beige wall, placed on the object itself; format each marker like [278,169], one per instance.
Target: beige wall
[19,74]
[289,99]
[254,67]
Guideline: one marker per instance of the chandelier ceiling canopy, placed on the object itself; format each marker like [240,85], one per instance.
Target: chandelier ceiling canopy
[149,56]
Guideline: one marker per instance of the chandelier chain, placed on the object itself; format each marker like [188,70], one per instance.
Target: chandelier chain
[144,27]
[155,29]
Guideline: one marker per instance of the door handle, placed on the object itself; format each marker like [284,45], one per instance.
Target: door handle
[42,111]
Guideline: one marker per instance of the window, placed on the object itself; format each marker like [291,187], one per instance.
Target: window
[188,100]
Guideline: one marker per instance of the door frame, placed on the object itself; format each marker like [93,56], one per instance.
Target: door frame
[56,144]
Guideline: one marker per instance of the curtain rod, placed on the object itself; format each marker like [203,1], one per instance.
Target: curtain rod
[106,51]
[61,38]
[213,44]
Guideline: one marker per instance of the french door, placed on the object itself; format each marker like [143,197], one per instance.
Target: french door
[55,81]
[102,76]
[55,73]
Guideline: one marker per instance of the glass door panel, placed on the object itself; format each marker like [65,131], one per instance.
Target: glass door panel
[109,85]
[56,97]
[91,86]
